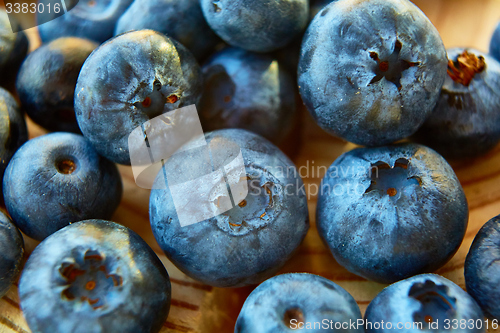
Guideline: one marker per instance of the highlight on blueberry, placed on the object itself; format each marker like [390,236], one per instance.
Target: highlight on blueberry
[94,276]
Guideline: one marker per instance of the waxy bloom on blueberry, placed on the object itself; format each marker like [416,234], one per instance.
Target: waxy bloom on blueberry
[94,276]
[424,303]
[370,71]
[247,243]
[11,253]
[391,212]
[129,80]
[466,120]
[298,301]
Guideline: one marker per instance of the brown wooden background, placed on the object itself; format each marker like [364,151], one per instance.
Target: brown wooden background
[200,308]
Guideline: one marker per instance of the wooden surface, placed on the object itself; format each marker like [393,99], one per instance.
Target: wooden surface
[200,308]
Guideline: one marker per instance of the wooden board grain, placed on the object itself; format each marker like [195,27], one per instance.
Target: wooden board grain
[200,308]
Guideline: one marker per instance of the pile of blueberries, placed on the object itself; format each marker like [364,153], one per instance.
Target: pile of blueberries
[372,72]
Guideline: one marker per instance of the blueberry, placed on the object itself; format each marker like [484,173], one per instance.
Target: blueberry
[250,91]
[247,243]
[11,253]
[292,301]
[384,212]
[94,276]
[180,20]
[258,25]
[57,179]
[47,80]
[482,268]
[91,19]
[13,131]
[129,80]
[13,50]
[466,120]
[317,6]
[424,303]
[369,80]
[495,43]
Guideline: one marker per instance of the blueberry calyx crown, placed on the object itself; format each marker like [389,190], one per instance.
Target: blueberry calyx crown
[153,104]
[89,281]
[390,180]
[261,206]
[435,302]
[66,165]
[465,67]
[391,68]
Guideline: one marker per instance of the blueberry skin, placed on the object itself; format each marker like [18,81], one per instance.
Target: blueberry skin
[258,25]
[94,276]
[272,306]
[384,212]
[11,253]
[13,131]
[56,179]
[13,50]
[482,268]
[248,90]
[128,80]
[91,19]
[495,43]
[47,80]
[245,245]
[180,20]
[420,298]
[466,120]
[367,80]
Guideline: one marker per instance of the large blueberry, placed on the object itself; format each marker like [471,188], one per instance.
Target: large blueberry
[424,303]
[13,50]
[466,120]
[56,179]
[129,80]
[181,20]
[11,253]
[370,72]
[250,91]
[94,276]
[47,79]
[482,268]
[244,244]
[13,131]
[258,25]
[495,43]
[391,212]
[92,19]
[299,301]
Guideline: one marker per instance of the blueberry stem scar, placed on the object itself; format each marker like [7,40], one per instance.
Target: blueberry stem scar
[465,67]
